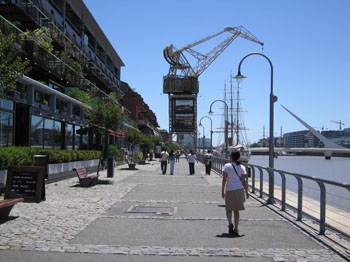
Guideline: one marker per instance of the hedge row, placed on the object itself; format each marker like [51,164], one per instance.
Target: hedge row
[16,156]
[23,156]
[62,156]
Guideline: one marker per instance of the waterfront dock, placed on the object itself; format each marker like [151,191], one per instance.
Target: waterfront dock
[90,224]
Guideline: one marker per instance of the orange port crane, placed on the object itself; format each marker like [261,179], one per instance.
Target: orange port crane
[182,76]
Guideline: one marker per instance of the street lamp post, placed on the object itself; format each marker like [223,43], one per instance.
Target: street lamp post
[239,77]
[211,130]
[226,123]
[200,124]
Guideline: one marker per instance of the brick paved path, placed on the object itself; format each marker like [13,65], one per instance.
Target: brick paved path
[89,224]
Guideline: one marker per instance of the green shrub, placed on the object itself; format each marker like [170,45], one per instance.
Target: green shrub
[24,156]
[16,156]
[62,156]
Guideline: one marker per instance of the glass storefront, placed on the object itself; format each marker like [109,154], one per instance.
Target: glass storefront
[36,133]
[52,134]
[6,128]
[77,130]
[69,136]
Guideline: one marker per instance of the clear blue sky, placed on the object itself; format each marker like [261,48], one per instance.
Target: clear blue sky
[307,41]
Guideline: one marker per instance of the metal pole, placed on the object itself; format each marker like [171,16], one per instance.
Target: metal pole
[273,99]
[226,124]
[203,138]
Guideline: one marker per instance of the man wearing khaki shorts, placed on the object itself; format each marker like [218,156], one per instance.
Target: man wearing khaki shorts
[236,190]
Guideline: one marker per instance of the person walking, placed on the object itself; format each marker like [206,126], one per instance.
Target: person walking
[177,155]
[164,159]
[207,161]
[233,188]
[172,162]
[191,158]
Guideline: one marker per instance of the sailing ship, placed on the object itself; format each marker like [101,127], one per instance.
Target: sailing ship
[238,141]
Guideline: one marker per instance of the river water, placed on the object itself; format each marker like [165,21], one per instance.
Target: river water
[337,169]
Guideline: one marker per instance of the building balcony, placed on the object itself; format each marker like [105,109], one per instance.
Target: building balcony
[27,11]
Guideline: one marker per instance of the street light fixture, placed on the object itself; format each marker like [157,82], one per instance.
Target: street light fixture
[239,78]
[211,130]
[226,123]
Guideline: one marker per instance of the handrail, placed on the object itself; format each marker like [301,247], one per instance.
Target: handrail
[218,163]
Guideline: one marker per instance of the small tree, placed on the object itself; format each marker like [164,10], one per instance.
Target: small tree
[170,145]
[146,143]
[133,137]
[12,65]
[107,116]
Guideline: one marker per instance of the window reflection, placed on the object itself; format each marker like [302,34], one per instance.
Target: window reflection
[6,128]
[69,136]
[52,134]
[37,129]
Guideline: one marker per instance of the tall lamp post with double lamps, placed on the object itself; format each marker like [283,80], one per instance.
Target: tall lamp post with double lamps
[239,78]
[211,130]
[226,123]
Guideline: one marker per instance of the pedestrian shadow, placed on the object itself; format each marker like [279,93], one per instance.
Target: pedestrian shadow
[223,205]
[10,218]
[226,235]
[127,168]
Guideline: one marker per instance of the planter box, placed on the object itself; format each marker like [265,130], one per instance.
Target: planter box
[68,166]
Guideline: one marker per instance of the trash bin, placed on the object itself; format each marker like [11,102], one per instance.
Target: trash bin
[110,166]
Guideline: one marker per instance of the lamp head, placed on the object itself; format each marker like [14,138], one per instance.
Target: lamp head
[239,77]
[200,124]
[211,112]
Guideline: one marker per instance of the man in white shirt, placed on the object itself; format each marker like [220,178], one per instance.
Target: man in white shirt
[191,158]
[164,160]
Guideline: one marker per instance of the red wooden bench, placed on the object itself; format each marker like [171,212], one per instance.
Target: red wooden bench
[85,179]
[6,206]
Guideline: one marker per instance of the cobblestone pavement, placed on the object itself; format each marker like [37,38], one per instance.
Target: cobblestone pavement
[56,224]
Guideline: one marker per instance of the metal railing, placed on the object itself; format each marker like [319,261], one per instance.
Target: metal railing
[258,173]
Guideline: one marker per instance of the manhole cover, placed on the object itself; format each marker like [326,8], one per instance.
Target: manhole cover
[152,209]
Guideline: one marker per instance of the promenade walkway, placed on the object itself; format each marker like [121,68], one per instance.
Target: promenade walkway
[91,224]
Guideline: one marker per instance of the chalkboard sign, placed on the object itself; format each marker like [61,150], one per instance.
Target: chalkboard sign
[26,182]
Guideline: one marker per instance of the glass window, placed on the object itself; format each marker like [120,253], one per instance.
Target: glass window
[76,110]
[6,104]
[77,137]
[69,136]
[6,128]
[52,134]
[84,138]
[36,132]
[56,87]
[42,98]
[61,106]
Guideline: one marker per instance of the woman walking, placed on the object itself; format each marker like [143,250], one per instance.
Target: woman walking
[172,162]
[191,158]
[233,188]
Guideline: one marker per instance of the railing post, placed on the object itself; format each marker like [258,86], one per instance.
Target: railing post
[322,208]
[253,180]
[283,194]
[271,199]
[300,198]
[261,193]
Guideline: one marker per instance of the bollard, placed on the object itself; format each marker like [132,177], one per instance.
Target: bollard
[110,166]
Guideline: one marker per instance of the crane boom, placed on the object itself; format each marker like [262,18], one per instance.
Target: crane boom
[178,61]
